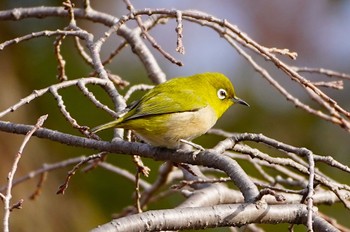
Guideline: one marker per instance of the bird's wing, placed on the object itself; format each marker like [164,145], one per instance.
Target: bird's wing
[156,103]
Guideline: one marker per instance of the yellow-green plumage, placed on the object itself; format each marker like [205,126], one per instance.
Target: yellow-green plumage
[181,108]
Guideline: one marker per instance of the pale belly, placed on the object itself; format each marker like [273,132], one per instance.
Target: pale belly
[185,125]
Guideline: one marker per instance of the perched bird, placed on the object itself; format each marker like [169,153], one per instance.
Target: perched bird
[182,108]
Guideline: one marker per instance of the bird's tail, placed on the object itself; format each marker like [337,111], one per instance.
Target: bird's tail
[105,126]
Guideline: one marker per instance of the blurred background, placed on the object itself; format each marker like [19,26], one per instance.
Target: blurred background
[318,31]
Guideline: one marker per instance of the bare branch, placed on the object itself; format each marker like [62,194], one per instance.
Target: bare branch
[205,158]
[276,185]
[180,47]
[64,186]
[7,197]
[323,71]
[124,173]
[80,82]
[199,217]
[134,88]
[61,76]
[149,37]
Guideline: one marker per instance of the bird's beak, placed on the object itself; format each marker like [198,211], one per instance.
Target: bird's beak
[240,101]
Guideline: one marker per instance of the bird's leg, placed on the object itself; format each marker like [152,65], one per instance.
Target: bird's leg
[196,146]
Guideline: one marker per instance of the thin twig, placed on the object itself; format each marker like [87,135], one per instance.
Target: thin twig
[61,76]
[10,177]
[68,5]
[150,38]
[310,189]
[339,85]
[87,5]
[46,33]
[323,71]
[179,29]
[163,174]
[62,188]
[140,169]
[285,51]
[83,129]
[115,53]
[44,169]
[139,87]
[91,96]
[38,189]
[231,142]
[137,191]
[82,52]
[124,173]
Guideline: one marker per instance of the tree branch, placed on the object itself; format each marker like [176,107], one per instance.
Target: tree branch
[214,216]
[205,158]
[7,197]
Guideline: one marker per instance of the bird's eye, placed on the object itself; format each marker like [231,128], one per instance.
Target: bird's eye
[222,94]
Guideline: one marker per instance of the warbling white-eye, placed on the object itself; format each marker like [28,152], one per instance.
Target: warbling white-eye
[182,108]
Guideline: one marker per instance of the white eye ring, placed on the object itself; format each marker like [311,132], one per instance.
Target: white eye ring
[222,94]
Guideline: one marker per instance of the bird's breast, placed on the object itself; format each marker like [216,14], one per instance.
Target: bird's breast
[175,126]
[191,124]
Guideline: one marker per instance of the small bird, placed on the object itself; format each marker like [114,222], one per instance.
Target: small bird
[180,109]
